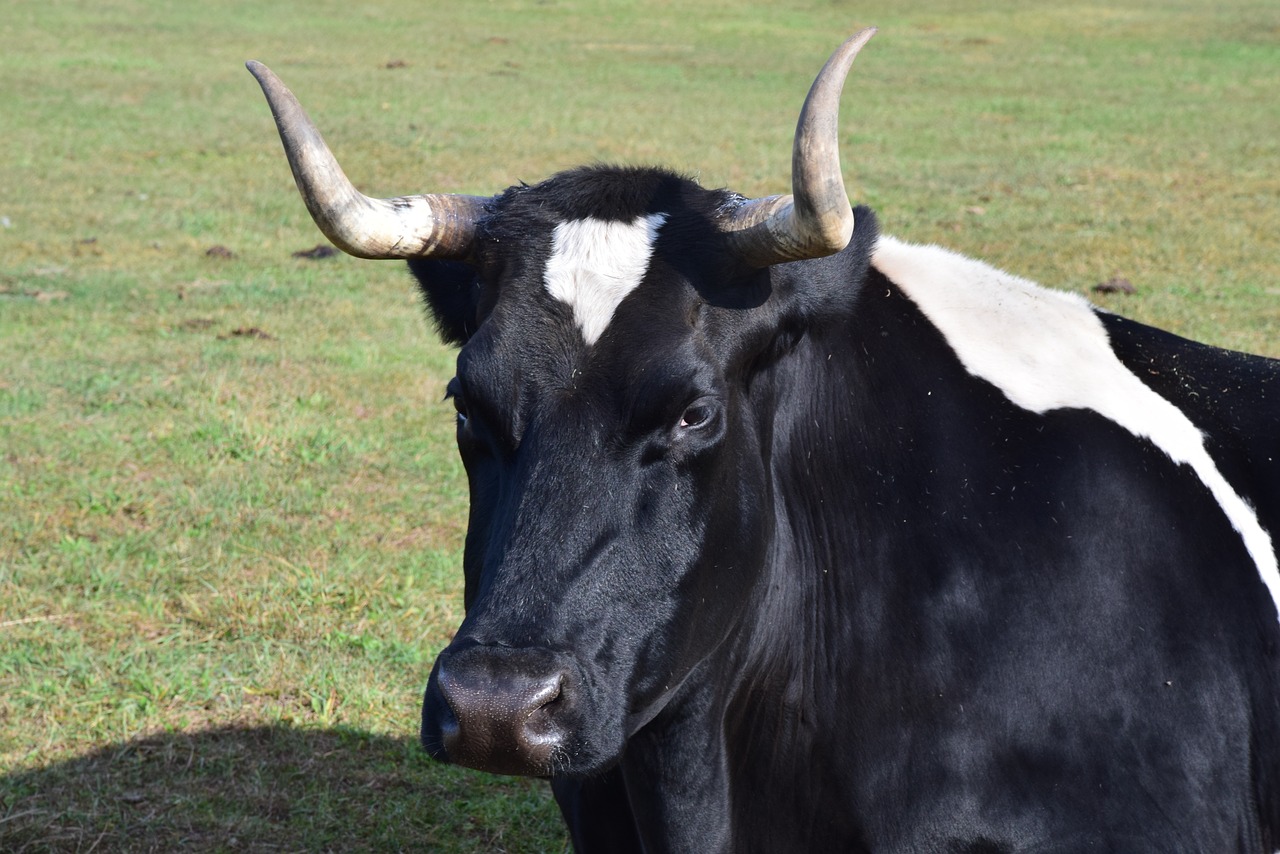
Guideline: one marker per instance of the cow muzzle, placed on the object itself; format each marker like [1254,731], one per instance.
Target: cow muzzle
[498,709]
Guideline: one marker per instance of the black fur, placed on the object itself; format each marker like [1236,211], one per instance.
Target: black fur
[868,604]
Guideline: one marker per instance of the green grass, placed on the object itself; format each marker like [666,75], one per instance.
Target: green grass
[230,511]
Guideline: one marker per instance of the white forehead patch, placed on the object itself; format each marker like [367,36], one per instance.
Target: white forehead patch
[1048,350]
[595,263]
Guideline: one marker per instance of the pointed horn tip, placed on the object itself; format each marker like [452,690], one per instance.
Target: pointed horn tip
[853,45]
[260,72]
[267,78]
[864,35]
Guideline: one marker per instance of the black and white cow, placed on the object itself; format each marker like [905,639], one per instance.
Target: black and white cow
[789,536]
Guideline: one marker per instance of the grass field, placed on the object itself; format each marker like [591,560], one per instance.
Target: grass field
[230,511]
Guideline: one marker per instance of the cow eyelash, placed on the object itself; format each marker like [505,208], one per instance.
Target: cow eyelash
[453,392]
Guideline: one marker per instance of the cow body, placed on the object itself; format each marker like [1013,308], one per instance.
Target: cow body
[774,549]
[969,566]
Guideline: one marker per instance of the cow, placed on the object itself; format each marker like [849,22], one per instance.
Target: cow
[786,535]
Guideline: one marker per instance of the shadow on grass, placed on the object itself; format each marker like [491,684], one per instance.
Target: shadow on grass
[271,788]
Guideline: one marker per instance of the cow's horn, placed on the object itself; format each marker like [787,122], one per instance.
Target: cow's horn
[404,227]
[815,220]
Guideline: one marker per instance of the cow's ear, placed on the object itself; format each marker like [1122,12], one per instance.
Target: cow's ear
[787,302]
[826,290]
[452,292]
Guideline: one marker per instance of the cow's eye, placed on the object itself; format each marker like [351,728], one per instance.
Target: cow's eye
[698,414]
[454,392]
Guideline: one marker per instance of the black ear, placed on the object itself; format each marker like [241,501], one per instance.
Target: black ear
[782,304]
[452,292]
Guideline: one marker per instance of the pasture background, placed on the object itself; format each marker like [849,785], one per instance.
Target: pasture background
[230,511]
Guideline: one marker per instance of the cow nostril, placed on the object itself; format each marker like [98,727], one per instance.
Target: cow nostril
[548,694]
[541,728]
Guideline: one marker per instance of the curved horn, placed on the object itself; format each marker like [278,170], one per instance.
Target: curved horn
[403,227]
[815,220]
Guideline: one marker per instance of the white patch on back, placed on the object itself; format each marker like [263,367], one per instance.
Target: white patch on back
[1048,350]
[595,263]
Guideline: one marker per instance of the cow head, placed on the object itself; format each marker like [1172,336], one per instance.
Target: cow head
[610,322]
